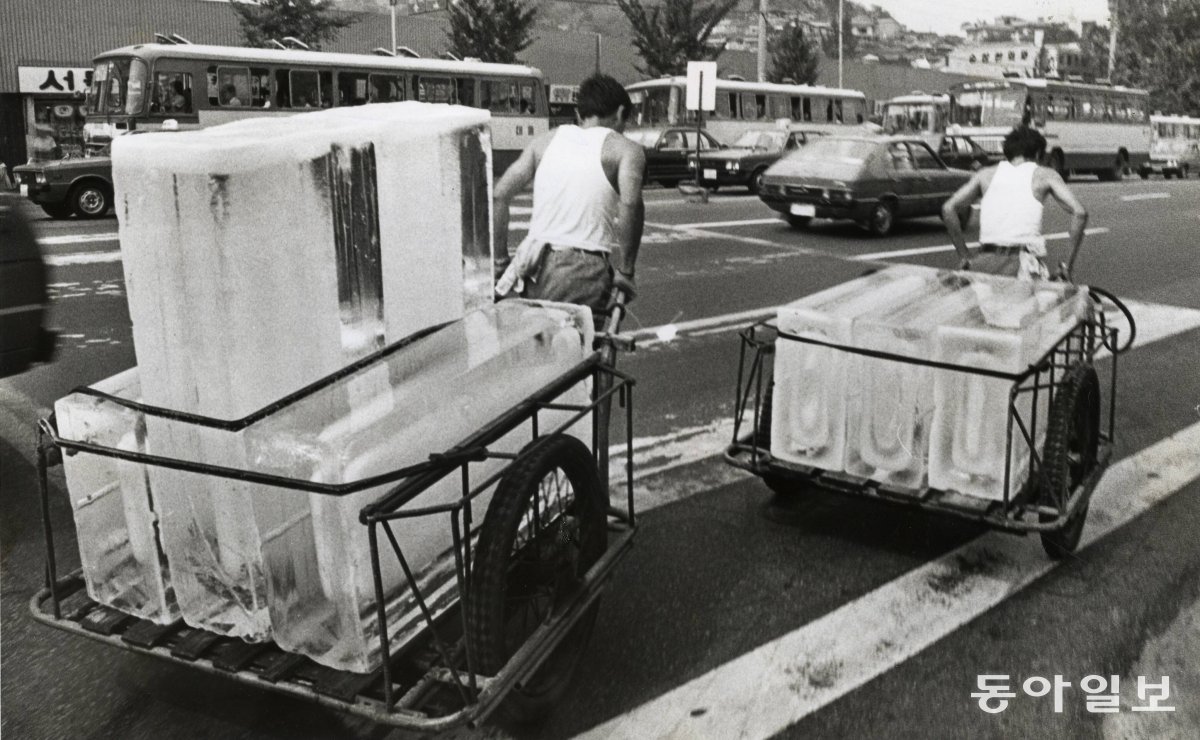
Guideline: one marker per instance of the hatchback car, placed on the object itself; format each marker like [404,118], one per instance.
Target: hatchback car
[77,185]
[745,161]
[667,151]
[872,180]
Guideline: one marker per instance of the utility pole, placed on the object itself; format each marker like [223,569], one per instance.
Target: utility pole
[1113,22]
[597,53]
[393,4]
[762,40]
[841,28]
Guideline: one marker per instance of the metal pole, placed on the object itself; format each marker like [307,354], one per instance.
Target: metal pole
[1113,23]
[598,37]
[699,116]
[393,3]
[762,40]
[841,29]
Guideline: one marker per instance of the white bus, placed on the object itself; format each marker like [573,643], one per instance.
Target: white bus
[917,113]
[747,106]
[1099,129]
[140,87]
[1175,150]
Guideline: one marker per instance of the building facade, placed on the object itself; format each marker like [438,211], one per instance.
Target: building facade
[1017,59]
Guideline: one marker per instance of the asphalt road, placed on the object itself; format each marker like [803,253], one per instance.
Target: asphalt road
[702,631]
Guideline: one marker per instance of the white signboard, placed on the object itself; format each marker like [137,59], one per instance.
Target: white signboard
[53,80]
[701,86]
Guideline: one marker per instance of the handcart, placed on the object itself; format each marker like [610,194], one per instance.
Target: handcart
[1053,501]
[528,586]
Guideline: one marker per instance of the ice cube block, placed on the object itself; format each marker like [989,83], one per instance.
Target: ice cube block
[265,254]
[891,402]
[1010,325]
[808,410]
[123,565]
[425,398]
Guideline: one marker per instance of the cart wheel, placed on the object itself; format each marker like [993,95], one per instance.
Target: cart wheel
[1072,443]
[546,525]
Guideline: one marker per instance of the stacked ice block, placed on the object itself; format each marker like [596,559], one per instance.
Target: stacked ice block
[265,254]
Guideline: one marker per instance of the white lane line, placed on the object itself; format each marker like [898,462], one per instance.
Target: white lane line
[108,236]
[950,247]
[657,454]
[715,224]
[743,240]
[777,684]
[82,258]
[1145,196]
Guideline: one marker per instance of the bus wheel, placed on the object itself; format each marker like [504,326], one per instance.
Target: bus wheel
[1058,165]
[1117,173]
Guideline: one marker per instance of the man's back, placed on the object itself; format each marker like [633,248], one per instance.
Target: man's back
[574,200]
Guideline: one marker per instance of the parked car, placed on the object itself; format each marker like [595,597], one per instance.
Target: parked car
[23,299]
[745,161]
[667,151]
[962,152]
[77,185]
[872,180]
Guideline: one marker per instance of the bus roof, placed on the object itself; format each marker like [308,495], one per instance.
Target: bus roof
[741,86]
[920,98]
[1039,83]
[1172,118]
[206,52]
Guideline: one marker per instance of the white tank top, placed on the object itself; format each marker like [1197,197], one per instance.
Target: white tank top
[574,204]
[1009,215]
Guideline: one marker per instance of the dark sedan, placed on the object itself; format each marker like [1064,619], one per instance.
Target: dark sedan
[745,161]
[870,180]
[667,152]
[962,152]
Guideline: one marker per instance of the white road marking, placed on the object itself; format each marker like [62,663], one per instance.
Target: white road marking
[715,224]
[950,247]
[777,684]
[1145,196]
[107,236]
[82,258]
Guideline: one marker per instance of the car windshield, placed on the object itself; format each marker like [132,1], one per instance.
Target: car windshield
[761,140]
[645,138]
[850,151]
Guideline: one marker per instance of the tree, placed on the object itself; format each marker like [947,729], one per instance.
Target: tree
[830,42]
[670,35]
[312,21]
[793,56]
[1158,42]
[491,30]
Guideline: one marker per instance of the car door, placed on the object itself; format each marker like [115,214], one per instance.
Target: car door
[936,183]
[904,176]
[672,151]
[950,150]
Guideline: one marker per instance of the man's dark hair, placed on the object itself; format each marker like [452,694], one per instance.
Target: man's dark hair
[601,95]
[1026,142]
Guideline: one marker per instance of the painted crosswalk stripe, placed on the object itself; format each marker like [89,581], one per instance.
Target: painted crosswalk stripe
[717,224]
[50,241]
[950,247]
[82,258]
[1145,196]
[779,683]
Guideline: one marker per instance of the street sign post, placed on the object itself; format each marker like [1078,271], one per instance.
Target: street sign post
[701,95]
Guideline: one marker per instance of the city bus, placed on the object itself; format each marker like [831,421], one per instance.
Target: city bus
[138,88]
[747,106]
[1089,128]
[1175,149]
[916,113]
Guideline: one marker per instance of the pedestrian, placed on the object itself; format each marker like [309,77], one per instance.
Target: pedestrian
[43,148]
[1011,196]
[588,212]
[229,93]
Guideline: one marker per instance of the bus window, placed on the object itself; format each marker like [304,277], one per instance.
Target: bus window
[326,89]
[434,89]
[464,91]
[858,112]
[528,98]
[232,88]
[305,89]
[778,106]
[726,107]
[171,93]
[498,96]
[283,89]
[807,108]
[139,78]
[837,111]
[260,87]
[754,107]
[385,89]
[352,88]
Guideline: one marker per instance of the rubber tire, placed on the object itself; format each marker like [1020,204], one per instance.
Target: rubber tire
[57,210]
[487,616]
[1058,164]
[798,222]
[669,183]
[90,200]
[879,224]
[754,184]
[1073,430]
[1117,172]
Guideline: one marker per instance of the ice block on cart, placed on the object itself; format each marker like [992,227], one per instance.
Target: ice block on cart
[265,254]
[1010,325]
[123,565]
[808,411]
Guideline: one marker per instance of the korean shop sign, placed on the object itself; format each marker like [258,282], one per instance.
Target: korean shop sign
[53,80]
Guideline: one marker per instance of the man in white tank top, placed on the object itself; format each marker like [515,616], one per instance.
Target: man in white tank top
[588,212]
[1010,213]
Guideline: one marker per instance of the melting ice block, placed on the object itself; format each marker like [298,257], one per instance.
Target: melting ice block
[265,254]
[808,412]
[123,565]
[891,402]
[1009,325]
[424,398]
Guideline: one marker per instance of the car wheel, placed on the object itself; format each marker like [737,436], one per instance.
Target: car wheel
[57,210]
[669,183]
[798,222]
[883,217]
[90,200]
[756,181]
[1144,174]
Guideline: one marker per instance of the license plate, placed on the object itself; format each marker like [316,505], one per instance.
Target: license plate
[803,209]
[710,174]
[24,190]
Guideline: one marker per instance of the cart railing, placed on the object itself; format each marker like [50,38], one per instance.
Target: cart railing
[453,662]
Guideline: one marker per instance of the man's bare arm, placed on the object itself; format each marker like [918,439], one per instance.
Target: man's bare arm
[515,179]
[631,209]
[952,212]
[1079,215]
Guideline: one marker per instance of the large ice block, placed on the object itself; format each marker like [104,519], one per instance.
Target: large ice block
[262,255]
[123,565]
[890,403]
[1010,325]
[808,412]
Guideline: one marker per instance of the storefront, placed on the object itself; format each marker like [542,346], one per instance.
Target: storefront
[52,101]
